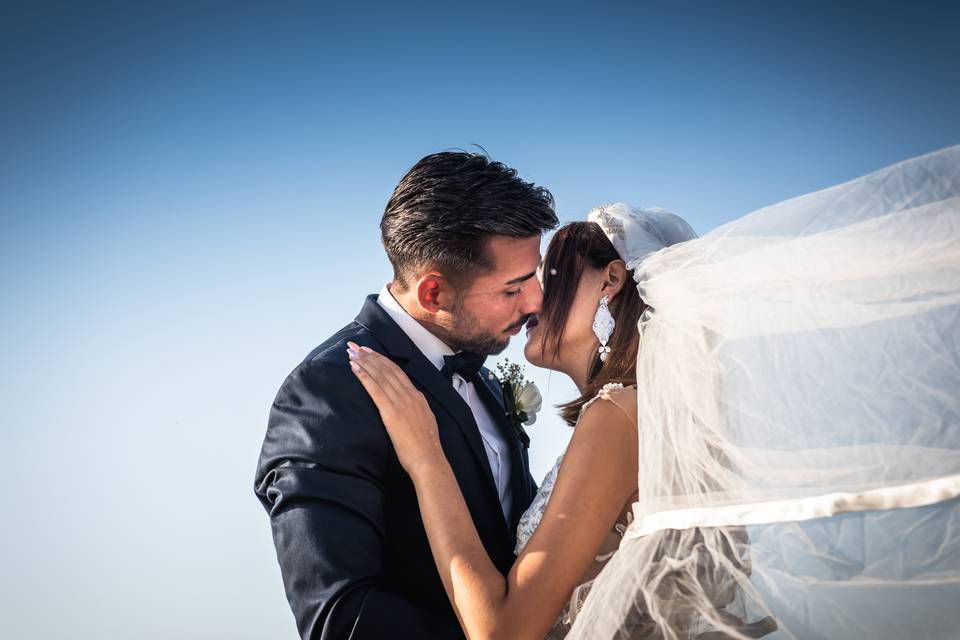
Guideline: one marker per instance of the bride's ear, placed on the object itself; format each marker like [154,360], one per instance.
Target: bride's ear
[615,276]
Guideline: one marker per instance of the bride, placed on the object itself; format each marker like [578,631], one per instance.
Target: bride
[763,412]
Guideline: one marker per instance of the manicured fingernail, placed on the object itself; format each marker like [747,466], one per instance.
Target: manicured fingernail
[353,353]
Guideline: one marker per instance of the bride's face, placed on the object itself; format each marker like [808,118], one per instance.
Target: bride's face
[578,342]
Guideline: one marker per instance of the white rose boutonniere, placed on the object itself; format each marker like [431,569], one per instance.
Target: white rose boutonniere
[529,402]
[522,398]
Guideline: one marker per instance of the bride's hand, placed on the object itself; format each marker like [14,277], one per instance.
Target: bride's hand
[410,423]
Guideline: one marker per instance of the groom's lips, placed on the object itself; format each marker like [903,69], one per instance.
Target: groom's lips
[515,330]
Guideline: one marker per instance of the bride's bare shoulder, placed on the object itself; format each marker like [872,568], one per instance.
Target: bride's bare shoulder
[604,443]
[621,393]
[619,399]
[614,409]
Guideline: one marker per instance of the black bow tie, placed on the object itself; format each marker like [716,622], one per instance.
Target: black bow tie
[465,363]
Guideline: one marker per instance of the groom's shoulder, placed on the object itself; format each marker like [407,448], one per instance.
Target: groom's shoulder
[322,414]
[328,361]
[322,390]
[333,350]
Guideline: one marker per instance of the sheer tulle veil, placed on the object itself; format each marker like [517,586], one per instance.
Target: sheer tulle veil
[798,379]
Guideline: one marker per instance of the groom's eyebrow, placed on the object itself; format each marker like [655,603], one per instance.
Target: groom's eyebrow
[521,278]
[526,277]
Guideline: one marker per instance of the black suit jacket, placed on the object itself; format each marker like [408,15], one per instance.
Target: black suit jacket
[352,548]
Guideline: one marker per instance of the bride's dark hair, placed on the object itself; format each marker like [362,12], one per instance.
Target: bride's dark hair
[574,247]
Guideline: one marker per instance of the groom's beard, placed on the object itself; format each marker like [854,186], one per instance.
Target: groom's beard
[463,335]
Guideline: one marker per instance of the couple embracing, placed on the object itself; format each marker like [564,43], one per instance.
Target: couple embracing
[396,478]
[724,382]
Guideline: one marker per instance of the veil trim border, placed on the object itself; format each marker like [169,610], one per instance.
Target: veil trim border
[917,494]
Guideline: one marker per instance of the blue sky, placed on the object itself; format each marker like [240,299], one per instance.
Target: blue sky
[190,199]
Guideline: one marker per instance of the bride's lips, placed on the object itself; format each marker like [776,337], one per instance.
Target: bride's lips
[531,323]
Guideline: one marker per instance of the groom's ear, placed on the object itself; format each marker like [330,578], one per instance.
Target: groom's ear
[614,277]
[433,291]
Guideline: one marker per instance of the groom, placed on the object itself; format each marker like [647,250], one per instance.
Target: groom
[463,235]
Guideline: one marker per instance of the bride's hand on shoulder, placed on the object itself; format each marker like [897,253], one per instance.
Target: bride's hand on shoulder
[410,423]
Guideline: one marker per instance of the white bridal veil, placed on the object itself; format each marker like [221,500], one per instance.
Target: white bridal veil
[799,418]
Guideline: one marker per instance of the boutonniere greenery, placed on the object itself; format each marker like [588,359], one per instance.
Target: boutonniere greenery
[521,397]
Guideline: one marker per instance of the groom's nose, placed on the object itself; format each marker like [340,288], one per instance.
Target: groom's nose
[532,297]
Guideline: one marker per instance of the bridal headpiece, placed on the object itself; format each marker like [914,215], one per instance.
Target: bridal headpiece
[637,233]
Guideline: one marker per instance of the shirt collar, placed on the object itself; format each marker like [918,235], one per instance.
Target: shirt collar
[430,345]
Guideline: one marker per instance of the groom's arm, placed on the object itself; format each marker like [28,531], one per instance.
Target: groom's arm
[321,477]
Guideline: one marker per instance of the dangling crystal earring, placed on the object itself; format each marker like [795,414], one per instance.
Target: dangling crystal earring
[603,324]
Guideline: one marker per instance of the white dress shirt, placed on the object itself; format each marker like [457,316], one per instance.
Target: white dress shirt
[434,349]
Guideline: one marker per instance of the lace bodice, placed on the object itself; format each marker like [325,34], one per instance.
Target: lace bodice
[531,517]
[531,520]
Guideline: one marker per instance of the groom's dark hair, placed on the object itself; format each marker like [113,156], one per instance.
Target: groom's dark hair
[446,208]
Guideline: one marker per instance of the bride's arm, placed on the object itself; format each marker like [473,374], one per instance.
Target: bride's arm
[596,478]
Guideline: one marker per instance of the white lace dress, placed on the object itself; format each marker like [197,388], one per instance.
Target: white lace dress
[531,520]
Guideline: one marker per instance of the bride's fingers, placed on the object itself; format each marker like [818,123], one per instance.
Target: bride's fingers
[395,385]
[377,368]
[387,372]
[397,376]
[372,386]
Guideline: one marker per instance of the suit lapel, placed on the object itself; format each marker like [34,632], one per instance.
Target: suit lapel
[519,472]
[426,376]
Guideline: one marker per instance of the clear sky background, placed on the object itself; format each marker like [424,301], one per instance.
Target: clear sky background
[190,198]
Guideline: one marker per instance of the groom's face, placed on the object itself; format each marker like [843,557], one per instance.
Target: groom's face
[497,305]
